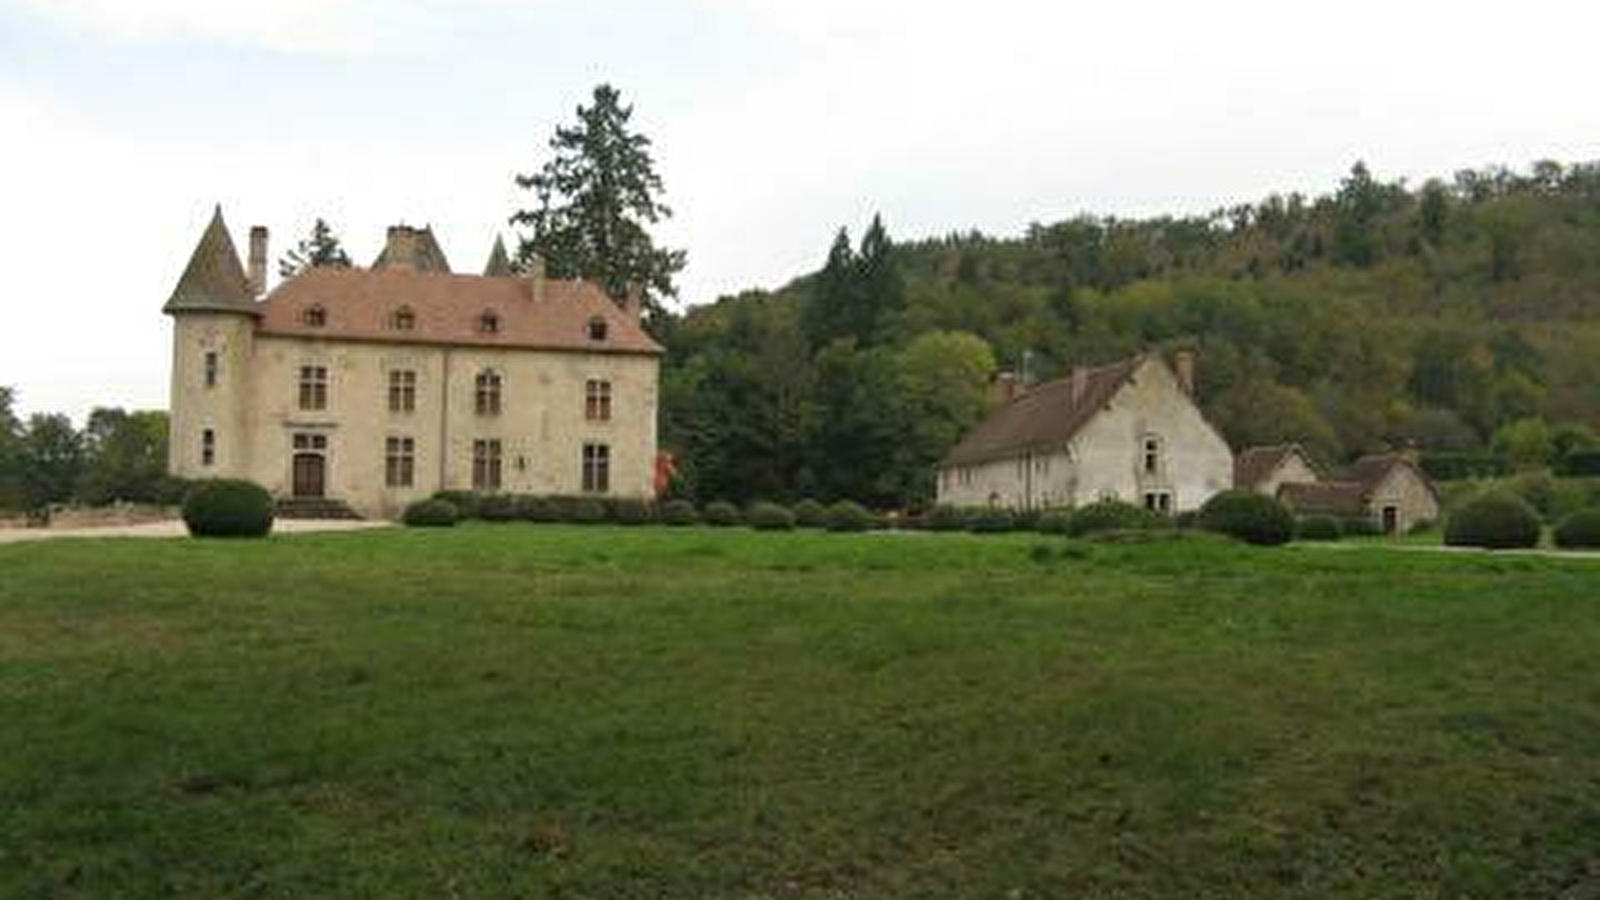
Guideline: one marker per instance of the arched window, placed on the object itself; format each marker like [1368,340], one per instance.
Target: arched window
[597,328]
[314,316]
[488,393]
[489,322]
[403,319]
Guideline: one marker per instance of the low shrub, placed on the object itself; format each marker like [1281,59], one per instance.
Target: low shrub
[1581,530]
[1359,526]
[679,512]
[722,514]
[1496,520]
[1552,498]
[996,520]
[770,517]
[228,507]
[1578,463]
[431,513]
[631,511]
[947,518]
[808,513]
[1054,521]
[465,502]
[848,515]
[1113,515]
[532,508]
[1248,516]
[498,508]
[1025,519]
[1318,528]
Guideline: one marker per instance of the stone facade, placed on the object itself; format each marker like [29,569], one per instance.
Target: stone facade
[1141,440]
[387,420]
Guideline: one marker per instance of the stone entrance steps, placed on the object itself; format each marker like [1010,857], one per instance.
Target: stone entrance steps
[313,508]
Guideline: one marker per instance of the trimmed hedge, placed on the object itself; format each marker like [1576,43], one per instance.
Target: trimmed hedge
[1457,465]
[532,508]
[722,514]
[431,513]
[1248,516]
[465,502]
[1497,520]
[1319,528]
[847,515]
[1054,521]
[1579,463]
[770,517]
[808,513]
[947,518]
[499,508]
[586,511]
[228,507]
[995,520]
[1581,530]
[679,513]
[631,511]
[1113,515]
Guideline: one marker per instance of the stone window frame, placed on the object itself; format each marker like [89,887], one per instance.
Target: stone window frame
[598,329]
[208,447]
[488,391]
[596,468]
[402,390]
[213,367]
[597,400]
[487,464]
[1152,455]
[313,394]
[489,322]
[403,319]
[314,316]
[399,461]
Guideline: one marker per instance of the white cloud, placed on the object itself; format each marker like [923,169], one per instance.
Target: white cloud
[321,27]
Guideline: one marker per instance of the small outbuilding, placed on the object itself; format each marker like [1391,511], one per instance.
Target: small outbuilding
[1388,489]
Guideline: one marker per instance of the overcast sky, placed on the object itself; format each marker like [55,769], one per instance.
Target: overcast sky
[123,121]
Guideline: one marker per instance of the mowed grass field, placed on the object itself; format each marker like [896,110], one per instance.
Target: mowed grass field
[543,711]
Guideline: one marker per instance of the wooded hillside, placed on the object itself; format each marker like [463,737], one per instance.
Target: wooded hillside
[1460,314]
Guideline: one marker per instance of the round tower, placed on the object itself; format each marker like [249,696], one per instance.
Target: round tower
[214,315]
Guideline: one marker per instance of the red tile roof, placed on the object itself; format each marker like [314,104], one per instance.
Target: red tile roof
[1338,498]
[447,309]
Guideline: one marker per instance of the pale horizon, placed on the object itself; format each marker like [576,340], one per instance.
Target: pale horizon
[774,124]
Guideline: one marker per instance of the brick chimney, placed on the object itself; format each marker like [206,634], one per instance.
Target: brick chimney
[633,303]
[1080,383]
[400,247]
[1005,388]
[1183,366]
[258,260]
[536,276]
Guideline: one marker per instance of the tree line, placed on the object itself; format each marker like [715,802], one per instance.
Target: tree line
[117,456]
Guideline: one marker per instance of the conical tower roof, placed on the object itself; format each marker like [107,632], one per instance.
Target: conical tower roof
[499,264]
[214,280]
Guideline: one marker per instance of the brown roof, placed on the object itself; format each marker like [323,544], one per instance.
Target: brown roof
[1047,416]
[1372,469]
[214,280]
[1256,464]
[359,304]
[499,264]
[1338,498]
[414,248]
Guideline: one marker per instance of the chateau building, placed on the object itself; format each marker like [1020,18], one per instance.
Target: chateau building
[373,387]
[1128,431]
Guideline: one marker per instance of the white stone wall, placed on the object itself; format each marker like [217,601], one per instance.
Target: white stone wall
[1293,469]
[1106,457]
[541,425]
[1408,494]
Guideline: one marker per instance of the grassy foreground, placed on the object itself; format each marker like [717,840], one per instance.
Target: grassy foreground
[524,711]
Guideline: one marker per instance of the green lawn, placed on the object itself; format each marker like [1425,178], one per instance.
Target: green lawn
[524,711]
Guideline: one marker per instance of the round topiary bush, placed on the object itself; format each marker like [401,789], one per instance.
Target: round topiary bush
[808,513]
[679,512]
[947,518]
[228,507]
[1498,520]
[1113,515]
[1054,521]
[631,511]
[430,513]
[1318,528]
[769,517]
[848,515]
[995,520]
[722,514]
[1248,516]
[1581,530]
[498,508]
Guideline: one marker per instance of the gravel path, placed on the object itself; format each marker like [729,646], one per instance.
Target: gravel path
[174,528]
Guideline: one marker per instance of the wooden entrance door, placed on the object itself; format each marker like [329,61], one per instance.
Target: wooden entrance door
[310,474]
[1391,520]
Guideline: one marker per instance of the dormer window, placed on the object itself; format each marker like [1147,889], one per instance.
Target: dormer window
[314,316]
[597,329]
[403,319]
[489,322]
